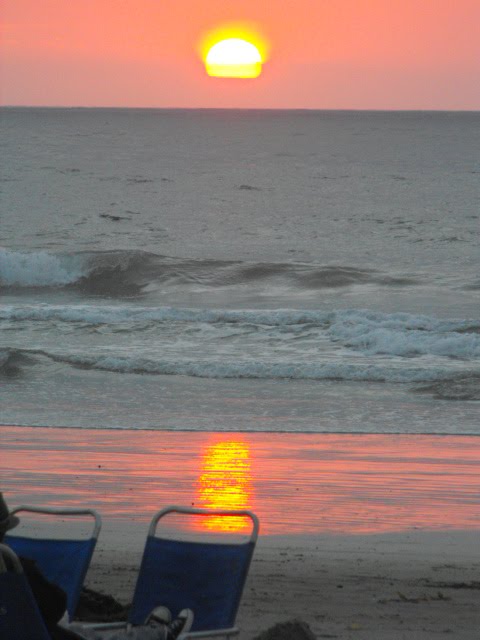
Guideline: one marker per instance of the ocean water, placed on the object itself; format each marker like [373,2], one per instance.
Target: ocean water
[240,270]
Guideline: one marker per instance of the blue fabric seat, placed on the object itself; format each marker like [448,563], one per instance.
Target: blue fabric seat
[62,561]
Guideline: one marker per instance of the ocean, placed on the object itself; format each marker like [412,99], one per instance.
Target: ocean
[283,271]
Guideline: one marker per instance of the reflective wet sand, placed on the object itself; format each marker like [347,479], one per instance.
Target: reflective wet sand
[296,483]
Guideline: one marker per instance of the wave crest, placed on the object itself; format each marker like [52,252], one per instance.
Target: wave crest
[12,360]
[254,370]
[39,269]
[125,273]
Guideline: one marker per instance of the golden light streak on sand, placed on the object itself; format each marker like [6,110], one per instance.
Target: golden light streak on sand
[225,482]
[295,483]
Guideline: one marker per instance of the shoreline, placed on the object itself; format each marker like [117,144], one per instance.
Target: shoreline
[260,432]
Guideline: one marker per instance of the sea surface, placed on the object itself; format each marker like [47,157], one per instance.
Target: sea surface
[299,271]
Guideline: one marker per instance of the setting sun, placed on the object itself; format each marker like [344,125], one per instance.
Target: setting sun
[233,58]
[234,50]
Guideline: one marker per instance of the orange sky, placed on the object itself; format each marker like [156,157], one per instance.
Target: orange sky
[347,54]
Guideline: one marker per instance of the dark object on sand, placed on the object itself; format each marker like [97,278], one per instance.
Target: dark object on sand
[475,584]
[7,520]
[291,630]
[98,607]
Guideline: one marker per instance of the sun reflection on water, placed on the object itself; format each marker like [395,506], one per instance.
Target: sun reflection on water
[225,482]
[295,483]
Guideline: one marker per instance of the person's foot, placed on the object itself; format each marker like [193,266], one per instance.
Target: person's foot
[182,623]
[159,615]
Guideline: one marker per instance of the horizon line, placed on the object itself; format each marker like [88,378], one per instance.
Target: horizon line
[309,109]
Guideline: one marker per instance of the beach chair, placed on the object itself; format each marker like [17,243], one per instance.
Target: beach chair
[20,618]
[63,561]
[206,574]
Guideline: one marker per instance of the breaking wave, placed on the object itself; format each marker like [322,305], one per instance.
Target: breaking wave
[254,370]
[277,344]
[12,361]
[367,331]
[39,269]
[108,273]
[129,273]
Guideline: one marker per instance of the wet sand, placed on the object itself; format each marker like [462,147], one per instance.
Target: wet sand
[296,483]
[361,536]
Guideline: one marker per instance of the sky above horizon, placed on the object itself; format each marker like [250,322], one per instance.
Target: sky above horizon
[323,54]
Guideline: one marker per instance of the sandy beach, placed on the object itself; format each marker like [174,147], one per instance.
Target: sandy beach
[368,537]
[414,585]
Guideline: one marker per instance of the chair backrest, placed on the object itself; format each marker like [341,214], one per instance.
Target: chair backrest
[20,618]
[207,577]
[63,561]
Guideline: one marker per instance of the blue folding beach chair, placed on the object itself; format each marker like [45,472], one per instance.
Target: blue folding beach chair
[20,618]
[63,561]
[206,575]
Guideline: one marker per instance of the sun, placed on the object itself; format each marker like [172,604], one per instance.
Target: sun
[233,58]
[234,50]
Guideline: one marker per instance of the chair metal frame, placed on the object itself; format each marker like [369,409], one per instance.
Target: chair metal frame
[73,594]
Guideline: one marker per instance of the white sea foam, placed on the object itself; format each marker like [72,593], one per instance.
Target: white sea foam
[344,344]
[260,370]
[344,324]
[406,336]
[39,269]
[121,314]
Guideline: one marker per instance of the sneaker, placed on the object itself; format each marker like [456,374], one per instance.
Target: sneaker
[182,624]
[159,615]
